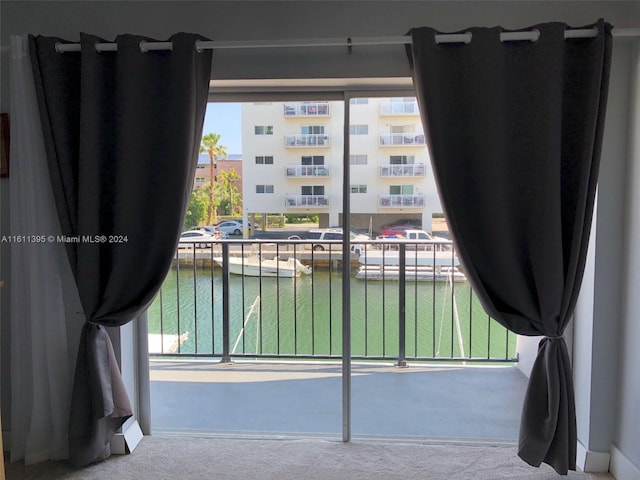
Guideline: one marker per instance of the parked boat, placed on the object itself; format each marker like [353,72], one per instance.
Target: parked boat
[254,266]
[412,274]
[412,258]
[419,266]
[166,343]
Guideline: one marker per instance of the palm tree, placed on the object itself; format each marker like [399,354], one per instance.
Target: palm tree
[227,180]
[210,146]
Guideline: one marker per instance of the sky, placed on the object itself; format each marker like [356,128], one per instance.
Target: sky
[224,119]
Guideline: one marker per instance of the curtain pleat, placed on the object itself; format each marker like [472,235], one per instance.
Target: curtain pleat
[515,134]
[122,131]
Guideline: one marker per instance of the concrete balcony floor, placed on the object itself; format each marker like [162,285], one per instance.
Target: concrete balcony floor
[437,402]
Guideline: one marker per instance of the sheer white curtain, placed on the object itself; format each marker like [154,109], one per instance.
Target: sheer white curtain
[40,361]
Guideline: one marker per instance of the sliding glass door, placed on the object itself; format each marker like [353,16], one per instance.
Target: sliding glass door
[301,322]
[415,323]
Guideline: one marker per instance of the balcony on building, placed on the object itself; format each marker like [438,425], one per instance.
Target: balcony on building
[403,170]
[402,139]
[306,171]
[306,201]
[307,140]
[413,200]
[307,109]
[399,107]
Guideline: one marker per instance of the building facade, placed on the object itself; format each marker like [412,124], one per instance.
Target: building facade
[294,161]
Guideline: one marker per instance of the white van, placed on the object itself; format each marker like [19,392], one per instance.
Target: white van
[334,234]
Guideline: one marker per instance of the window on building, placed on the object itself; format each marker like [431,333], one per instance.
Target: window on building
[358,189]
[402,129]
[312,160]
[401,189]
[200,165]
[402,159]
[312,190]
[312,129]
[264,160]
[263,129]
[200,179]
[359,101]
[359,129]
[358,159]
[264,188]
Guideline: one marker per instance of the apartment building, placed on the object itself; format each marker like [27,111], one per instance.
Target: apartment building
[294,161]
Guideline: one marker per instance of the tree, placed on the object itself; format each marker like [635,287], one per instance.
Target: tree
[197,209]
[227,191]
[209,145]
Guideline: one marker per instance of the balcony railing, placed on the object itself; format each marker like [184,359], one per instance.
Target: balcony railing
[297,140]
[401,200]
[307,171]
[321,201]
[402,139]
[409,107]
[406,170]
[405,305]
[307,109]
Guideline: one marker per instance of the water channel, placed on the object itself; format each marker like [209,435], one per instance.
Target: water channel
[302,317]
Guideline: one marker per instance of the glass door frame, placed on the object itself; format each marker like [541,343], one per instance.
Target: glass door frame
[337,93]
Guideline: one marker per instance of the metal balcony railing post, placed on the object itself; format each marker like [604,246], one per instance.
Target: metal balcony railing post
[402,320]
[226,357]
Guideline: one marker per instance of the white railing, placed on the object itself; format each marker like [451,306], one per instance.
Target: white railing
[406,139]
[404,170]
[409,107]
[321,201]
[401,200]
[294,140]
[307,171]
[307,109]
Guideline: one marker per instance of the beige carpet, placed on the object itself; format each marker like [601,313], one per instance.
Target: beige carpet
[191,458]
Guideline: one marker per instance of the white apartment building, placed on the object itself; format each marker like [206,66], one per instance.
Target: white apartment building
[293,161]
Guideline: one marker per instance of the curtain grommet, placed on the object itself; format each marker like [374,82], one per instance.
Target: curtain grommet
[453,38]
[527,35]
[146,47]
[537,35]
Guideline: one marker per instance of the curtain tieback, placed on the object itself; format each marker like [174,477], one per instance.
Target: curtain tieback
[554,337]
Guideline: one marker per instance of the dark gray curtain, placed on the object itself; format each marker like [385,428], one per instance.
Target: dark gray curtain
[122,131]
[515,134]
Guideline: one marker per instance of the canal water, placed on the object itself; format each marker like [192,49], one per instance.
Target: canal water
[302,316]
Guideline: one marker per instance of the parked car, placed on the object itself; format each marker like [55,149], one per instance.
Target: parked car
[422,240]
[197,238]
[333,234]
[232,227]
[213,231]
[394,231]
[239,220]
